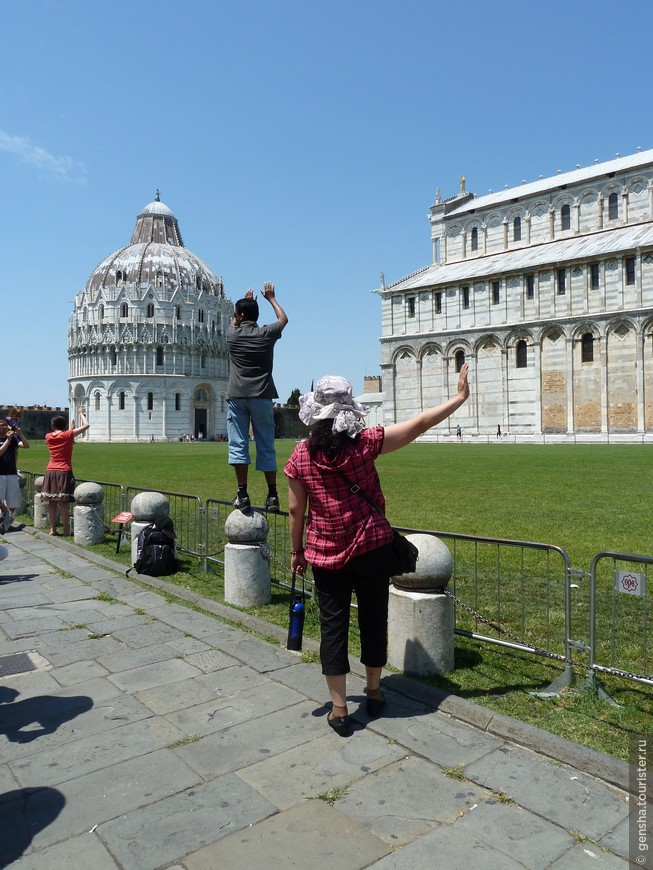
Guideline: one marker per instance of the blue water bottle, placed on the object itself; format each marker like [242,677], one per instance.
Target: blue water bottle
[296,624]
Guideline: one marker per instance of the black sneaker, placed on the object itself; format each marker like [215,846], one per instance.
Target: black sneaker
[272,504]
[242,503]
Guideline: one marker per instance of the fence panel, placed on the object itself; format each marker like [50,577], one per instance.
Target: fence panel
[522,587]
[620,621]
[186,512]
[29,477]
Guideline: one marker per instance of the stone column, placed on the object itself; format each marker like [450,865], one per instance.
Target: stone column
[420,615]
[40,508]
[88,514]
[247,579]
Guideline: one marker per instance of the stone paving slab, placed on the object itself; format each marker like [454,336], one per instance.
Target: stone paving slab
[229,681]
[404,800]
[126,659]
[195,623]
[160,674]
[99,751]
[246,706]
[555,791]
[493,836]
[80,672]
[248,742]
[147,633]
[88,852]
[96,798]
[311,834]
[44,723]
[588,855]
[153,836]
[187,694]
[298,774]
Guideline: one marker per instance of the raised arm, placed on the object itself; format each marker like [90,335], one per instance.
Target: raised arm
[268,293]
[22,441]
[400,434]
[85,424]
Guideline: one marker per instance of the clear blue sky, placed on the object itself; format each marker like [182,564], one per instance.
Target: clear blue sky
[295,141]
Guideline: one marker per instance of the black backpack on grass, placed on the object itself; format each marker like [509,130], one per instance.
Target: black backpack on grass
[155,551]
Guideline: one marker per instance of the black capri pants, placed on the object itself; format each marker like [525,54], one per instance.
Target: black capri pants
[368,577]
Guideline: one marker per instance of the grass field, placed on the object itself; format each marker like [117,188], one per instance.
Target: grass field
[583,499]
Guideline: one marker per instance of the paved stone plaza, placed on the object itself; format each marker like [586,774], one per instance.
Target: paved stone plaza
[149,735]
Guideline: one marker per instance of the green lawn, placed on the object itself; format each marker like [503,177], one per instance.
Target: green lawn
[583,499]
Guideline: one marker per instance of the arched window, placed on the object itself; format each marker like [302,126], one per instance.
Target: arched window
[587,348]
[150,309]
[114,356]
[101,311]
[85,315]
[120,278]
[475,239]
[522,354]
[613,207]
[96,396]
[460,359]
[159,279]
[150,401]
[121,401]
[516,230]
[159,356]
[124,310]
[201,395]
[177,401]
[203,361]
[178,312]
[200,315]
[565,217]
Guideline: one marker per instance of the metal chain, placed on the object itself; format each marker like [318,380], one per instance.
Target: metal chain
[543,652]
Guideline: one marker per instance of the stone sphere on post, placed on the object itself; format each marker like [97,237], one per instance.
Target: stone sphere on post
[148,507]
[88,514]
[434,566]
[247,580]
[420,615]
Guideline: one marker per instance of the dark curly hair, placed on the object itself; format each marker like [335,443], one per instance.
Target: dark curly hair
[322,439]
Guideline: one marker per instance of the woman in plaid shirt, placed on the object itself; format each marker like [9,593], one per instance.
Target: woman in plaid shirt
[347,539]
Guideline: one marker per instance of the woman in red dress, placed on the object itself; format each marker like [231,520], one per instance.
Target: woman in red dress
[59,482]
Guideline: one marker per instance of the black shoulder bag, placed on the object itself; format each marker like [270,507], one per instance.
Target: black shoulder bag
[404,553]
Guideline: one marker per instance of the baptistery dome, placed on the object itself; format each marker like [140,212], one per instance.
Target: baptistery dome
[146,344]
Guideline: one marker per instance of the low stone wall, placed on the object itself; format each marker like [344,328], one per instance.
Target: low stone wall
[35,422]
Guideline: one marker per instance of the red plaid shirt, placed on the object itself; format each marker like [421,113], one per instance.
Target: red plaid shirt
[341,524]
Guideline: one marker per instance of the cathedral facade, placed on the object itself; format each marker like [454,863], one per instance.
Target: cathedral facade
[546,290]
[146,342]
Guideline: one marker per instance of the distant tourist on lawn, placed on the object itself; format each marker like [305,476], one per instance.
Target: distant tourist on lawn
[348,540]
[11,440]
[59,484]
[250,394]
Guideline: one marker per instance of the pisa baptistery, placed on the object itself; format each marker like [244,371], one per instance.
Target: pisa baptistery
[147,353]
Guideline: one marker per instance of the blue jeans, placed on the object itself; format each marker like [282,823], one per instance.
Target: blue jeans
[258,412]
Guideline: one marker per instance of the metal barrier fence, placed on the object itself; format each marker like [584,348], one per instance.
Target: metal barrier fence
[525,592]
[521,589]
[619,617]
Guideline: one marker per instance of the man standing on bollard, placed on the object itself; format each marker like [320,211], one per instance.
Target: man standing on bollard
[250,393]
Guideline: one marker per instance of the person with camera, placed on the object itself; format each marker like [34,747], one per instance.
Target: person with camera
[348,538]
[11,440]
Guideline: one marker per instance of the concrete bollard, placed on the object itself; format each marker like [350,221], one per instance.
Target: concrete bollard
[146,508]
[247,579]
[420,615]
[88,514]
[21,507]
[40,507]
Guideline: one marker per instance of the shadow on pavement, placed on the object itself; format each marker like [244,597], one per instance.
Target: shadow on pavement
[23,813]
